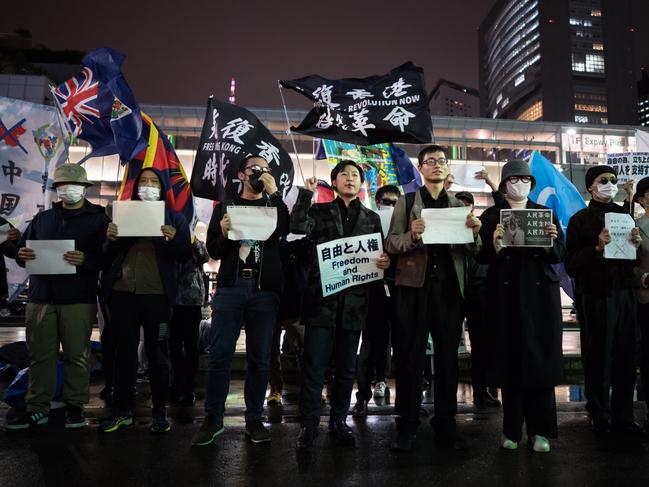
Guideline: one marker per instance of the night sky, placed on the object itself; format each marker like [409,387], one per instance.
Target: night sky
[180,52]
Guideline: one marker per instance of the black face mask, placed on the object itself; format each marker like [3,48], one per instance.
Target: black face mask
[256,185]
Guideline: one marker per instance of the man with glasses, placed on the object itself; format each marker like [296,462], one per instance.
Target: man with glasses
[430,281]
[605,308]
[249,284]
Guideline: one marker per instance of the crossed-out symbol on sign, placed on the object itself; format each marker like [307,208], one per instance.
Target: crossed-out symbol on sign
[12,133]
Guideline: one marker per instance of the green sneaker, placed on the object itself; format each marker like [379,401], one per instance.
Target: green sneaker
[115,422]
[508,444]
[209,430]
[540,444]
[22,420]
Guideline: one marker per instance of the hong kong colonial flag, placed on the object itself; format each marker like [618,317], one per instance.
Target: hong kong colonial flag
[365,111]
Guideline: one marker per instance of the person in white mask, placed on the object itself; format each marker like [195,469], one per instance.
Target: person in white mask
[61,308]
[524,324]
[606,311]
[139,287]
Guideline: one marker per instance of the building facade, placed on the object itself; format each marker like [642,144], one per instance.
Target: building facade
[643,99]
[558,60]
[451,99]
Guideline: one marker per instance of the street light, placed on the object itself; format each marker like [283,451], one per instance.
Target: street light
[570,132]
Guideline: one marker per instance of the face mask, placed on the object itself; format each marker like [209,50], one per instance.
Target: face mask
[606,191]
[148,193]
[70,193]
[518,191]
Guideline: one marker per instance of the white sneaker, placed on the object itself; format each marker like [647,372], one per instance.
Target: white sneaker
[379,389]
[540,444]
[508,444]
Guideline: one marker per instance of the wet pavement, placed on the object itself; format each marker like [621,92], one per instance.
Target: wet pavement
[135,457]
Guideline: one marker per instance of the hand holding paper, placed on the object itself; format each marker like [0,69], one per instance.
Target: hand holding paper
[447,225]
[622,244]
[139,218]
[49,257]
[252,222]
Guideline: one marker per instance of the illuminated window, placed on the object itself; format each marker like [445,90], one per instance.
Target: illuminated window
[532,113]
[598,46]
[505,102]
[499,97]
[595,13]
[604,120]
[590,108]
[581,119]
[519,80]
[594,63]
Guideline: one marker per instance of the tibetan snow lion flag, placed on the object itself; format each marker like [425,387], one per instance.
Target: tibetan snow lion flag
[366,111]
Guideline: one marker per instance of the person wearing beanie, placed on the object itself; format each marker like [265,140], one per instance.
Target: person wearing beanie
[606,309]
[332,323]
[525,325]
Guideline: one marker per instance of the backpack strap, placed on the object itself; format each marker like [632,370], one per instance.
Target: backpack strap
[410,202]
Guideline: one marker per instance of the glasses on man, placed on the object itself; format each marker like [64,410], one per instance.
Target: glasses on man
[431,161]
[606,180]
[388,202]
[259,169]
[522,179]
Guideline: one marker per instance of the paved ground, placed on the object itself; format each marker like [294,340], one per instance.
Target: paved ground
[134,457]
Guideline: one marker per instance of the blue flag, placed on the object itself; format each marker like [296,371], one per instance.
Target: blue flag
[408,176]
[557,192]
[125,118]
[554,190]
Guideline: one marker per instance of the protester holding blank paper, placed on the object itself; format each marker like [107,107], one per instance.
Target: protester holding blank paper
[524,326]
[430,282]
[139,287]
[606,309]
[7,249]
[333,323]
[249,285]
[61,309]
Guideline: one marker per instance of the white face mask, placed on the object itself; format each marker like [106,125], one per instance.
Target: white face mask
[70,193]
[518,191]
[606,191]
[148,193]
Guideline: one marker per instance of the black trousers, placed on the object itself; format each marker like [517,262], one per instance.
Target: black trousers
[608,337]
[129,312]
[535,407]
[643,322]
[107,347]
[479,335]
[183,347]
[275,380]
[373,355]
[435,308]
[319,342]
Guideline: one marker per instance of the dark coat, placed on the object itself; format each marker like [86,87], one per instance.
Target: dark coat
[87,227]
[7,249]
[524,309]
[323,223]
[169,254]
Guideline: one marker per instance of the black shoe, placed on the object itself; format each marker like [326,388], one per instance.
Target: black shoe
[18,419]
[74,418]
[257,432]
[403,442]
[446,434]
[343,433]
[360,409]
[106,394]
[485,399]
[209,430]
[308,434]
[188,399]
[601,427]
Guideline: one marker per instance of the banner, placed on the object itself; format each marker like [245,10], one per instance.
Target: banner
[619,226]
[526,228]
[230,133]
[366,111]
[348,262]
[32,145]
[629,165]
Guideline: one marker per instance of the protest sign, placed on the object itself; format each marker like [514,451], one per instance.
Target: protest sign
[629,165]
[619,226]
[252,222]
[446,225]
[526,227]
[139,218]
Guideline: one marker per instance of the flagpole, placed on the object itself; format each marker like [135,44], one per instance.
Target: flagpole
[59,117]
[290,134]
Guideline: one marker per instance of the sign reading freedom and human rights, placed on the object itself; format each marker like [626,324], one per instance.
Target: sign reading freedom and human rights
[348,262]
[366,111]
[629,165]
[526,228]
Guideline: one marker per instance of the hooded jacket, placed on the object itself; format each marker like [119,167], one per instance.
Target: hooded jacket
[169,254]
[87,227]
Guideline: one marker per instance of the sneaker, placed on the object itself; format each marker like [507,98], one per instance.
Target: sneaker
[274,398]
[22,420]
[160,425]
[540,444]
[210,429]
[114,422]
[379,389]
[74,418]
[508,444]
[257,432]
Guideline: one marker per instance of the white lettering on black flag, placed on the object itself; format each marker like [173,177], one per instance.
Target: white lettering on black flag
[373,110]
[231,133]
[348,262]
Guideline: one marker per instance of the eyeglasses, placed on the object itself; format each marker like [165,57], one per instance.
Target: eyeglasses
[432,161]
[388,202]
[261,169]
[605,180]
[522,179]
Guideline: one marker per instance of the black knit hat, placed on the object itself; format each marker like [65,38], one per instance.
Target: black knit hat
[641,189]
[595,171]
[341,165]
[516,167]
[464,195]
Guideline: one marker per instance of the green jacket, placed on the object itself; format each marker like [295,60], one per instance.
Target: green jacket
[323,223]
[413,256]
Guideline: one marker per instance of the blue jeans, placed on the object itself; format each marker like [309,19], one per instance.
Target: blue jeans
[231,307]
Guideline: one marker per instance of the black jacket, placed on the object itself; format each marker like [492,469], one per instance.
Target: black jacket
[592,272]
[169,254]
[7,249]
[87,227]
[227,251]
